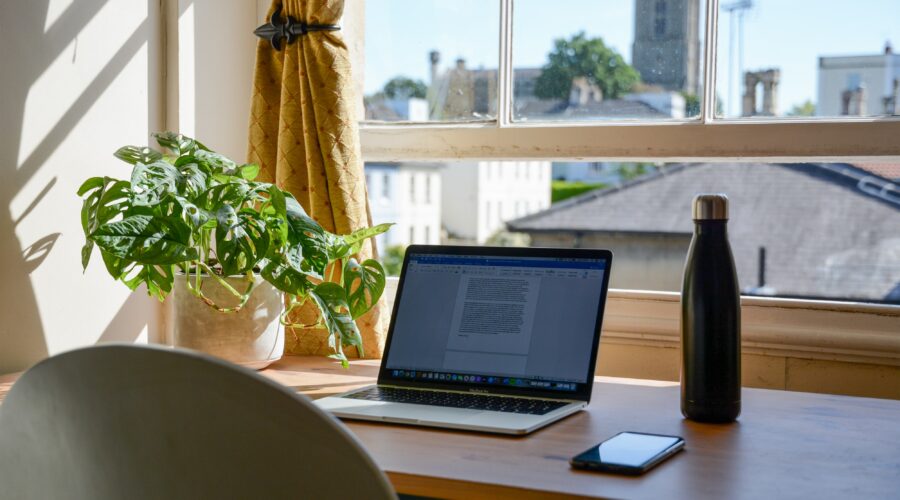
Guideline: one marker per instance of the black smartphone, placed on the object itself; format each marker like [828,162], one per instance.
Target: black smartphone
[628,453]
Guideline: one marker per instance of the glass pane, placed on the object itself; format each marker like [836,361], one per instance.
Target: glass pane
[808,58]
[607,59]
[431,60]
[824,231]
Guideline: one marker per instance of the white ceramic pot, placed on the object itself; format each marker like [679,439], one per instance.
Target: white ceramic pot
[252,337]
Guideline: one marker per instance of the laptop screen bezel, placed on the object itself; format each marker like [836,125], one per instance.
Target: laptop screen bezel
[582,391]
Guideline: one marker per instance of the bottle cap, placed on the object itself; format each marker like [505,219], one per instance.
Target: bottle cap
[710,207]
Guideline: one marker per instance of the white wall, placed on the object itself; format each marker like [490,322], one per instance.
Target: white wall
[459,199]
[877,72]
[79,80]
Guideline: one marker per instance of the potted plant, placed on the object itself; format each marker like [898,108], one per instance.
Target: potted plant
[194,222]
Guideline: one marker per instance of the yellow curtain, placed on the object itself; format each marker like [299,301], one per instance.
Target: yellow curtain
[304,136]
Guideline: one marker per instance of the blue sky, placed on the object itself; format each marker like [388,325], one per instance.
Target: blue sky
[788,34]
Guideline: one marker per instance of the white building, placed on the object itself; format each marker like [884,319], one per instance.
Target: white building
[859,85]
[409,195]
[479,197]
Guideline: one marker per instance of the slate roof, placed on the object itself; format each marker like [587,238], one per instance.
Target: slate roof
[824,235]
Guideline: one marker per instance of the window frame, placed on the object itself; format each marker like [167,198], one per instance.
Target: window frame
[813,329]
[707,138]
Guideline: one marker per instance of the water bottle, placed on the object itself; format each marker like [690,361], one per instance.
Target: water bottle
[710,318]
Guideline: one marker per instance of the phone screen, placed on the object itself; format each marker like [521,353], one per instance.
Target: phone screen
[629,451]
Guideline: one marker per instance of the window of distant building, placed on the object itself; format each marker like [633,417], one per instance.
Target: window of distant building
[385,185]
[428,189]
[412,187]
[659,24]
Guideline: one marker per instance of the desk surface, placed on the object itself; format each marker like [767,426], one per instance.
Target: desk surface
[786,444]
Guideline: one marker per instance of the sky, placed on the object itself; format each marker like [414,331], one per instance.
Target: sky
[788,34]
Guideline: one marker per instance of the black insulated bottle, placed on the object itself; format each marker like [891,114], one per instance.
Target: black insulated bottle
[710,318]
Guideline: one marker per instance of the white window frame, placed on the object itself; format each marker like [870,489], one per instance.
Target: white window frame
[814,329]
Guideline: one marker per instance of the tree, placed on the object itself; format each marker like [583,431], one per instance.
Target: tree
[805,109]
[584,57]
[401,87]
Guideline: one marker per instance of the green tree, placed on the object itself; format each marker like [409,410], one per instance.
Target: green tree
[392,259]
[401,87]
[805,109]
[631,171]
[586,57]
[691,104]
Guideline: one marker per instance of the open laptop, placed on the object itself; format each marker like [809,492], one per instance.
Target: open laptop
[487,339]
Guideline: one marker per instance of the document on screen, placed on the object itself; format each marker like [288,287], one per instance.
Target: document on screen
[493,318]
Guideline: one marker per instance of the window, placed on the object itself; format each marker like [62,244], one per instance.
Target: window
[427,191]
[412,187]
[675,109]
[385,186]
[427,235]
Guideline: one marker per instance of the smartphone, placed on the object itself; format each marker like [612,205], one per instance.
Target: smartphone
[628,453]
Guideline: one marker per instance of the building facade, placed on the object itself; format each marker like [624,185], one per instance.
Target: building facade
[666,48]
[408,195]
[480,197]
[864,85]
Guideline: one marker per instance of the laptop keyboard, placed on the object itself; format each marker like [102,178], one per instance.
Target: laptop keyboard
[458,400]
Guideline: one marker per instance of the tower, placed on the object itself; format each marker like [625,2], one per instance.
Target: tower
[666,49]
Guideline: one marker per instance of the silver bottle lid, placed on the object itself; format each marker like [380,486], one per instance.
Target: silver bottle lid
[710,207]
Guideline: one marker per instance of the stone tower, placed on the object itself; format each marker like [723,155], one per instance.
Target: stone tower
[666,49]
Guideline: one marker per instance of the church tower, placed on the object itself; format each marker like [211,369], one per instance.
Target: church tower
[666,49]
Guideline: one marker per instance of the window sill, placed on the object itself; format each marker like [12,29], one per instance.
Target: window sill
[798,345]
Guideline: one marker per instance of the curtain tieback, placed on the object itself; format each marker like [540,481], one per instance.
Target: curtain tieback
[288,28]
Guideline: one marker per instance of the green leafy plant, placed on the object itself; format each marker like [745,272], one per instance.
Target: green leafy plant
[190,213]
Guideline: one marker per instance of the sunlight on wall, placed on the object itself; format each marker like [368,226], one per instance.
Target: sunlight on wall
[88,85]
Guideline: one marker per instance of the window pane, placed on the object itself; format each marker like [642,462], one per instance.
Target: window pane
[802,58]
[811,230]
[607,60]
[431,60]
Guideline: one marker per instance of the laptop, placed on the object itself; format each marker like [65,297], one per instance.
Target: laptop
[499,340]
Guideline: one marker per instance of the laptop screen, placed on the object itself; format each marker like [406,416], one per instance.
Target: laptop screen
[500,322]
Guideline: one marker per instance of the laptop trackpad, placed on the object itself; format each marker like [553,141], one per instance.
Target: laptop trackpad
[404,412]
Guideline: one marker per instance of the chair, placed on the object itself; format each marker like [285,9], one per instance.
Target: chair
[123,421]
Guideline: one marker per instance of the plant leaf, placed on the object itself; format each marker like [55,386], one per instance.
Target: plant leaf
[106,199]
[309,235]
[350,244]
[248,171]
[136,154]
[286,279]
[146,240]
[178,144]
[332,302]
[242,244]
[363,284]
[158,279]
[151,183]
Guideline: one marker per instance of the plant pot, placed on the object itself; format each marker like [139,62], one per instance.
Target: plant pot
[252,337]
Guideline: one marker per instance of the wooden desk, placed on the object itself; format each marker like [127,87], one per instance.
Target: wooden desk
[785,445]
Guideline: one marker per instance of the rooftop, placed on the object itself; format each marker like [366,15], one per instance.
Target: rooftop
[825,232]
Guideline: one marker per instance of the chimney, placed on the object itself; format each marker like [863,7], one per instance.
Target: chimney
[888,49]
[435,58]
[460,64]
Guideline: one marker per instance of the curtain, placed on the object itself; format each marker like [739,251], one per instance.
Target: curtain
[304,136]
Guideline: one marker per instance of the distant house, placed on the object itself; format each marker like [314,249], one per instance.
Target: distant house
[862,85]
[480,197]
[828,230]
[408,195]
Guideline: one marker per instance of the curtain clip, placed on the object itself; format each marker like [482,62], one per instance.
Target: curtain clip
[288,28]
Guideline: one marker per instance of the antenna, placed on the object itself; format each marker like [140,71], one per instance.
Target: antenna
[739,7]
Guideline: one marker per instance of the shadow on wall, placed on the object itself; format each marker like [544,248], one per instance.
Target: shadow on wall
[30,45]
